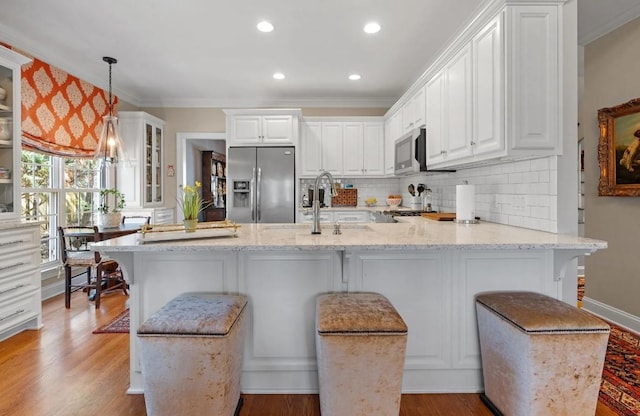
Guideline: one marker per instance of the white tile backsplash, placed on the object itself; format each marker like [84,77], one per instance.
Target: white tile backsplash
[521,193]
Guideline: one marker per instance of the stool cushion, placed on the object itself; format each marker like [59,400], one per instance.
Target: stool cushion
[195,314]
[538,313]
[357,313]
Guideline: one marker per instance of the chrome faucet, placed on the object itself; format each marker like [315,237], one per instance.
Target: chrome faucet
[315,226]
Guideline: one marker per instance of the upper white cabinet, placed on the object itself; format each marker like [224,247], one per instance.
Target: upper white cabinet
[363,148]
[141,180]
[494,94]
[392,131]
[413,111]
[265,127]
[331,150]
[10,133]
[342,147]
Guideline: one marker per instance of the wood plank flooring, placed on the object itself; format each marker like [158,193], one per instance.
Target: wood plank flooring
[65,370]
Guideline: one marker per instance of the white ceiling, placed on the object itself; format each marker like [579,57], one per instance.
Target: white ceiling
[197,53]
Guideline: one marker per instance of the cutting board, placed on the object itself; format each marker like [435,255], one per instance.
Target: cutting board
[439,216]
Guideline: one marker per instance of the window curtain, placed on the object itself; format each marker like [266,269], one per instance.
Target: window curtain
[61,114]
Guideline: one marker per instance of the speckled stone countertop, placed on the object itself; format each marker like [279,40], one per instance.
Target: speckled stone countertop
[412,233]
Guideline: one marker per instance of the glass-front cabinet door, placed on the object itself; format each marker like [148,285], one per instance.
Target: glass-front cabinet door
[10,133]
[141,180]
[153,164]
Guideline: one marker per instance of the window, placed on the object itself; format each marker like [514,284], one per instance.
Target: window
[58,192]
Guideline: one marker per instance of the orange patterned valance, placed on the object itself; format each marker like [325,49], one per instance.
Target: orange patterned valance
[61,114]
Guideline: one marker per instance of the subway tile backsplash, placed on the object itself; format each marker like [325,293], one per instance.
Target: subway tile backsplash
[520,193]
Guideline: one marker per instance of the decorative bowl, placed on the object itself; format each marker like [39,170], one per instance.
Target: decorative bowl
[394,202]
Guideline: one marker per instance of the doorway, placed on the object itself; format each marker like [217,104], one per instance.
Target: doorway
[189,148]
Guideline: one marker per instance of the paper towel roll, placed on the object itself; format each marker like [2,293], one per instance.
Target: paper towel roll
[465,202]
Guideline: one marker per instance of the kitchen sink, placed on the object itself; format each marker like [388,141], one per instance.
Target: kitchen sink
[306,228]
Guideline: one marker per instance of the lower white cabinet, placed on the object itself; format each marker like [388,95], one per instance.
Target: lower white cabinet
[433,290]
[350,216]
[20,289]
[158,215]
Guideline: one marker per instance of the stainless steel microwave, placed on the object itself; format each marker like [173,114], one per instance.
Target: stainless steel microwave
[411,153]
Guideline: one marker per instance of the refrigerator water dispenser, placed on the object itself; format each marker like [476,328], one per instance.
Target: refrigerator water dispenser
[241,194]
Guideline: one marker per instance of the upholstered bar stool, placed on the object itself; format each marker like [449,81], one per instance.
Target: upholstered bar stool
[540,356]
[360,345]
[191,355]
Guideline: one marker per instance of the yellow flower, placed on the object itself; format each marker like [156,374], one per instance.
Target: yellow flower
[192,203]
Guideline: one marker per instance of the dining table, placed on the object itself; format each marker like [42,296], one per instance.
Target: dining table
[107,233]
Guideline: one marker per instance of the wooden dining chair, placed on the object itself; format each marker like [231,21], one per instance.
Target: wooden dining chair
[76,253]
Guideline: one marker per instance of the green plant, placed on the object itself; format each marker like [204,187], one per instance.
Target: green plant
[192,203]
[111,200]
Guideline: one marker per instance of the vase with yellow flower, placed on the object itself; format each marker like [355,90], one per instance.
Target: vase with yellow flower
[191,204]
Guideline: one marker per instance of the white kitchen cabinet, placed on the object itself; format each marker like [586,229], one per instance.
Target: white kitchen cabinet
[392,131]
[264,127]
[497,96]
[413,111]
[449,111]
[352,216]
[282,288]
[332,156]
[435,131]
[344,147]
[20,289]
[311,149]
[10,133]
[321,148]
[465,124]
[362,149]
[327,217]
[434,289]
[141,181]
[488,101]
[157,216]
[457,105]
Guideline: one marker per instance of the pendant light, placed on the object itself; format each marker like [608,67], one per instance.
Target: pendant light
[110,150]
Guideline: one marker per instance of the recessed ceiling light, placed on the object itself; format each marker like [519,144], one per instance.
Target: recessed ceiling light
[264,26]
[354,77]
[278,75]
[372,27]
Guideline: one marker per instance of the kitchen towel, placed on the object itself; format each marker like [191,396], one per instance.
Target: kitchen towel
[465,202]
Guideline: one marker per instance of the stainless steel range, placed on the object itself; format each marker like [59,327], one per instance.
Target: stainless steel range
[404,213]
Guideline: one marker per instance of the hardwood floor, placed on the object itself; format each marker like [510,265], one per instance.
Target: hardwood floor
[65,370]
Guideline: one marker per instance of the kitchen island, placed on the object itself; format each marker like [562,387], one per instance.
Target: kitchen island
[431,271]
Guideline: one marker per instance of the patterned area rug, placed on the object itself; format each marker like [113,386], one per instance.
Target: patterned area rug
[620,389]
[119,325]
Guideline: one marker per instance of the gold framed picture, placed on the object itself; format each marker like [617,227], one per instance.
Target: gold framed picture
[619,149]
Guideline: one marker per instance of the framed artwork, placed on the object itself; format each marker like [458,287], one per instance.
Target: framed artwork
[619,149]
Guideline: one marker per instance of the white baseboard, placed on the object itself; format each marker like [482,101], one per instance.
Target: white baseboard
[611,314]
[56,288]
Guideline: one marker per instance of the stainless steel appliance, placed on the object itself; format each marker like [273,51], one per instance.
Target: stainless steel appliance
[262,184]
[411,153]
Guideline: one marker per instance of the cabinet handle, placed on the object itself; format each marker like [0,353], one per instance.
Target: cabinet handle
[473,143]
[11,243]
[442,152]
[11,266]
[16,313]
[12,289]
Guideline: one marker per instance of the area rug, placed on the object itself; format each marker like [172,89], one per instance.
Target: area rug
[620,389]
[119,325]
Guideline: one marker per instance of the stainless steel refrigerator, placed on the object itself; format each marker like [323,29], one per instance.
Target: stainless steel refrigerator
[261,184]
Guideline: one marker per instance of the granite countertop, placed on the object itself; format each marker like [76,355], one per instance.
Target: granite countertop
[410,233]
